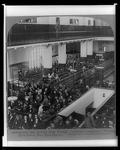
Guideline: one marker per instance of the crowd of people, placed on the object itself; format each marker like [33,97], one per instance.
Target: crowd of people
[56,70]
[38,102]
[106,118]
[60,123]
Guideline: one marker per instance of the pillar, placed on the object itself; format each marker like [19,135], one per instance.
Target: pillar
[37,57]
[47,56]
[35,60]
[83,49]
[62,54]
[30,58]
[90,47]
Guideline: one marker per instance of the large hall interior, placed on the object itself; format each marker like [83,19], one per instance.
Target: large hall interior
[60,73]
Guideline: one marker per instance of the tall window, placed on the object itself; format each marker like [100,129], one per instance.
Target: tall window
[71,21]
[74,21]
[89,22]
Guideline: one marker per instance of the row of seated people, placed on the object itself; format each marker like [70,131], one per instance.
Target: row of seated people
[56,69]
[53,77]
[105,84]
[108,111]
[73,123]
[104,122]
[39,98]
[98,121]
[69,63]
[108,84]
[20,121]
[60,123]
[105,117]
[58,74]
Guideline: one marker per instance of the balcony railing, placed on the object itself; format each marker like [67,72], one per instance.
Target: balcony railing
[40,37]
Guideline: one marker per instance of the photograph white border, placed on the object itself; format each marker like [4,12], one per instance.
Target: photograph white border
[43,11]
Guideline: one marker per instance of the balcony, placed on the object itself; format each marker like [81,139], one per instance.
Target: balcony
[24,38]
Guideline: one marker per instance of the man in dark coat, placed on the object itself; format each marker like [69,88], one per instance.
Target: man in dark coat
[68,124]
[71,120]
[10,121]
[17,123]
[25,124]
[30,121]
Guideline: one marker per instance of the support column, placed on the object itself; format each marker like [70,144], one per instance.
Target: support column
[83,50]
[62,54]
[40,56]
[47,56]
[35,57]
[90,47]
[35,60]
[30,58]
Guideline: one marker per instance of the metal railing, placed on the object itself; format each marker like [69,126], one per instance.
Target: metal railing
[89,76]
[39,37]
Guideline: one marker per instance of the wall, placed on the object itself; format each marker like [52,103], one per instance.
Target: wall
[21,54]
[52,20]
[79,106]
[98,96]
[82,20]
[18,55]
[91,21]
[46,20]
[98,44]
[98,22]
[42,20]
[103,23]
[64,20]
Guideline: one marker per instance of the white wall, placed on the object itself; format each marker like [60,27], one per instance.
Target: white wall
[98,22]
[46,20]
[79,106]
[83,49]
[108,44]
[52,20]
[62,54]
[64,20]
[82,21]
[103,23]
[98,96]
[86,21]
[47,56]
[42,20]
[18,55]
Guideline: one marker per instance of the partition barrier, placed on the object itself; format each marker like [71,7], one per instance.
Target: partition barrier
[72,79]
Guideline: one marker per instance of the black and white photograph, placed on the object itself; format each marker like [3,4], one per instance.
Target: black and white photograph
[60,73]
